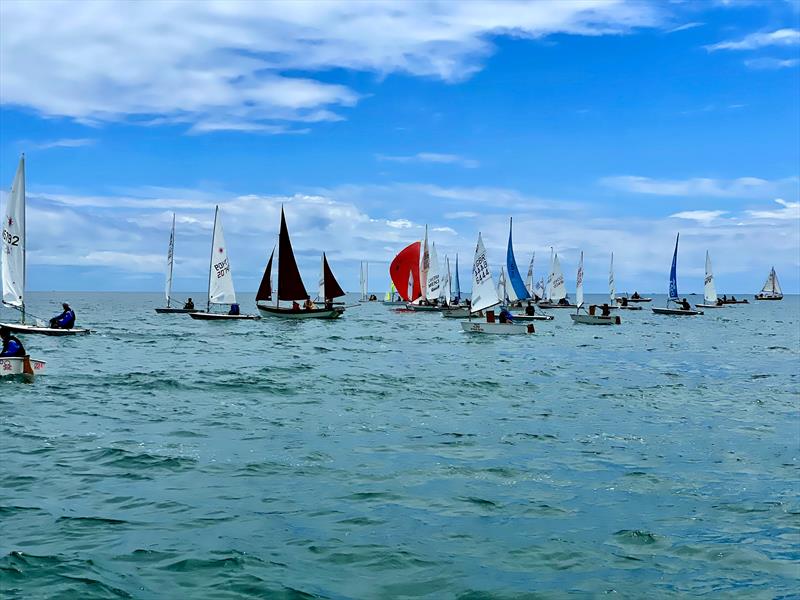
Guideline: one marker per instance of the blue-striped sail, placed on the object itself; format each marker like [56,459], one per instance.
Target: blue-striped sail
[514,276]
[458,284]
[673,276]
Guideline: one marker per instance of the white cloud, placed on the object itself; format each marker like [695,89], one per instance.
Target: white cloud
[461,214]
[399,224]
[779,37]
[742,187]
[232,65]
[768,63]
[63,143]
[432,157]
[790,211]
[685,26]
[701,216]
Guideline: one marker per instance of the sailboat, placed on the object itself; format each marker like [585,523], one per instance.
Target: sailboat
[771,289]
[710,299]
[514,290]
[291,288]
[456,310]
[484,297]
[220,278]
[168,289]
[673,290]
[14,262]
[617,301]
[589,318]
[429,280]
[393,298]
[529,283]
[557,292]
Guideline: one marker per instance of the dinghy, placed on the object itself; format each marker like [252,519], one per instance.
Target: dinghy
[673,291]
[484,297]
[404,272]
[170,259]
[11,366]
[772,289]
[291,288]
[392,297]
[617,301]
[220,279]
[430,284]
[512,290]
[13,261]
[589,318]
[635,299]
[710,299]
[557,291]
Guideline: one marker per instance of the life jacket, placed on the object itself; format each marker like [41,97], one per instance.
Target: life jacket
[13,348]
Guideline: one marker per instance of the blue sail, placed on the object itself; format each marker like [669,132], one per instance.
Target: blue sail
[458,283]
[513,272]
[673,276]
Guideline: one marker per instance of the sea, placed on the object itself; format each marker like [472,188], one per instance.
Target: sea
[391,455]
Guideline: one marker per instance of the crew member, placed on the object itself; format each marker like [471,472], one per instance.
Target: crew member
[529,310]
[234,310]
[506,316]
[189,305]
[606,310]
[685,304]
[66,320]
[11,345]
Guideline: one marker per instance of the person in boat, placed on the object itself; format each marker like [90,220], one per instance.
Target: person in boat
[684,304]
[188,305]
[635,296]
[506,316]
[720,302]
[563,302]
[295,306]
[623,301]
[328,303]
[606,310]
[12,347]
[66,320]
[733,298]
[235,310]
[724,298]
[529,310]
[309,304]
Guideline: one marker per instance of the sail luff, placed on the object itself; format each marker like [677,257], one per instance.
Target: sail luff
[170,260]
[15,243]
[579,284]
[484,294]
[290,283]
[709,289]
[673,273]
[265,289]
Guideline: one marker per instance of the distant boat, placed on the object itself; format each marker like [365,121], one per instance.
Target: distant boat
[220,278]
[393,298]
[710,299]
[617,301]
[589,318]
[291,288]
[557,291]
[170,260]
[404,272]
[430,281]
[771,289]
[13,257]
[673,290]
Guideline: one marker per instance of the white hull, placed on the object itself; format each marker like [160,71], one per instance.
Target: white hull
[547,305]
[524,317]
[496,328]
[15,366]
[288,313]
[769,297]
[676,311]
[596,320]
[204,316]
[32,329]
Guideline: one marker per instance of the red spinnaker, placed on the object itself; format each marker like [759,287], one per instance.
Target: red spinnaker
[404,264]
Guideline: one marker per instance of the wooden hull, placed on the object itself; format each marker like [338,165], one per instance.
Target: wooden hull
[596,320]
[758,297]
[204,316]
[288,313]
[676,311]
[496,328]
[176,311]
[32,329]
[15,366]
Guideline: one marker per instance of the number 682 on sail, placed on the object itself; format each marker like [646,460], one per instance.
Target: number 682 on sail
[11,239]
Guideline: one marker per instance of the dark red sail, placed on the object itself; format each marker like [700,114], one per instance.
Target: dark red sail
[403,266]
[290,284]
[265,289]
[332,287]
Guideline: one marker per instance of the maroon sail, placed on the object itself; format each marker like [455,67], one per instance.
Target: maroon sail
[290,284]
[265,289]
[332,287]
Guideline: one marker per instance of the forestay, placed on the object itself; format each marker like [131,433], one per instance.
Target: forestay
[709,289]
[484,294]
[220,278]
[13,254]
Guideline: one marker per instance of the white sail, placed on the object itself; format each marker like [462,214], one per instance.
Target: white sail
[424,263]
[709,289]
[612,284]
[446,292]
[771,286]
[502,288]
[579,284]
[220,278]
[170,260]
[558,290]
[529,280]
[410,295]
[484,294]
[433,285]
[548,286]
[321,292]
[540,290]
[776,286]
[13,256]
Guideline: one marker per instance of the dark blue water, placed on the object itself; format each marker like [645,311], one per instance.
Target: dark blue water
[393,456]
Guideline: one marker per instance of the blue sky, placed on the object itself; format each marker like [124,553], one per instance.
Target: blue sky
[599,126]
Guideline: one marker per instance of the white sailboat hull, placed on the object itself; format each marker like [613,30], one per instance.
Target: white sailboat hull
[524,317]
[619,299]
[205,316]
[496,328]
[768,297]
[596,320]
[33,329]
[10,366]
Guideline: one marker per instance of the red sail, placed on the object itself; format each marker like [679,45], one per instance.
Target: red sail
[404,264]
[290,284]
[265,289]
[332,287]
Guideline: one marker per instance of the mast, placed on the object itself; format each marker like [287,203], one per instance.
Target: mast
[170,260]
[211,259]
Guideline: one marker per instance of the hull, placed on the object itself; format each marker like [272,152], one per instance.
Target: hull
[288,313]
[710,305]
[32,329]
[629,307]
[422,308]
[496,328]
[596,320]
[176,311]
[524,317]
[456,313]
[676,311]
[15,366]
[726,302]
[547,305]
[204,316]
[760,297]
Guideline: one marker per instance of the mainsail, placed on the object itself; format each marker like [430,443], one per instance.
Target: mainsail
[772,286]
[13,253]
[405,268]
[447,284]
[558,290]
[709,289]
[518,290]
[170,258]
[290,284]
[433,281]
[673,273]
[539,290]
[502,288]
[612,285]
[220,279]
[264,292]
[424,265]
[329,288]
[458,284]
[529,280]
[548,286]
[484,294]
[579,284]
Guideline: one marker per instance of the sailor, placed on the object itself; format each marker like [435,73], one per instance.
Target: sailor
[606,310]
[11,344]
[685,304]
[720,302]
[234,310]
[295,306]
[189,305]
[529,310]
[66,320]
[624,301]
[506,316]
[635,296]
[563,302]
[733,298]
[329,303]
[309,304]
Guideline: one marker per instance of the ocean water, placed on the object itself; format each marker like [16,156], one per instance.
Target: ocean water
[390,455]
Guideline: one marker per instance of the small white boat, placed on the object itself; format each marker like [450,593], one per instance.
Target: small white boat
[495,328]
[534,317]
[549,305]
[456,312]
[673,291]
[639,299]
[11,366]
[209,316]
[423,307]
[590,318]
[42,330]
[772,289]
[171,310]
[710,299]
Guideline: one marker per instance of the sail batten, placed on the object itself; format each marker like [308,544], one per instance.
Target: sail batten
[14,242]
[290,283]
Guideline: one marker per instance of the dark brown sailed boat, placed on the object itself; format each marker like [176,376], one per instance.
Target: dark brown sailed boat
[291,288]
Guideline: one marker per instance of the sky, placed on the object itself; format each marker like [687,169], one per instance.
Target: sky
[599,126]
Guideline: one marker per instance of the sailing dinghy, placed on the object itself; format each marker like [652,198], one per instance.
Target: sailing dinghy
[484,297]
[13,260]
[291,288]
[673,291]
[772,289]
[170,260]
[11,366]
[220,279]
[429,280]
[589,318]
[617,301]
[557,291]
[710,299]
[512,289]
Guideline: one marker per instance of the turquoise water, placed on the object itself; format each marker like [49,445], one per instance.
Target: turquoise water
[390,455]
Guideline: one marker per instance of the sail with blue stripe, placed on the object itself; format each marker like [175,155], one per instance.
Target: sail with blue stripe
[673,276]
[514,276]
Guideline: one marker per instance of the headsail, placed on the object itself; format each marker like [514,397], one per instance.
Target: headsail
[484,294]
[290,284]
[404,268]
[264,292]
[518,290]
[170,259]
[771,285]
[709,289]
[558,290]
[329,288]
[673,273]
[612,285]
[220,278]
[579,284]
[434,283]
[13,253]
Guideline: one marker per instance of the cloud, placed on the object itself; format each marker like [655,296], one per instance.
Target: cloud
[779,37]
[790,211]
[63,143]
[768,63]
[236,65]
[432,157]
[685,26]
[742,187]
[701,216]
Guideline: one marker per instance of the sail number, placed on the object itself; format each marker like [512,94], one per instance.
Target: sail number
[10,239]
[222,268]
